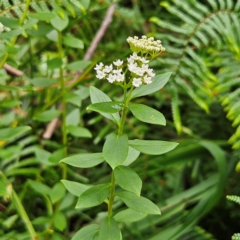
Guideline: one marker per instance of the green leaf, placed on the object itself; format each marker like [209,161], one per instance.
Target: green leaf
[98,96]
[75,188]
[11,34]
[54,63]
[9,88]
[3,191]
[39,187]
[73,117]
[42,156]
[152,147]
[78,65]
[59,23]
[109,230]
[131,157]
[84,160]
[10,22]
[106,107]
[59,221]
[10,103]
[157,83]
[57,192]
[73,98]
[42,30]
[47,116]
[43,82]
[129,215]
[9,133]
[147,114]
[115,149]
[79,131]
[93,196]
[127,179]
[139,204]
[87,233]
[73,42]
[30,23]
[57,156]
[43,16]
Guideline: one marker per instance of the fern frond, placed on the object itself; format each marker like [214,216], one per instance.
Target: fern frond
[234,198]
[213,4]
[205,32]
[175,110]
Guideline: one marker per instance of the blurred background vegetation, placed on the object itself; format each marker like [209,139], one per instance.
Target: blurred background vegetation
[200,102]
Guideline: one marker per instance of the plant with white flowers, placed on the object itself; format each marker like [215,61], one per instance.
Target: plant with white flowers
[137,79]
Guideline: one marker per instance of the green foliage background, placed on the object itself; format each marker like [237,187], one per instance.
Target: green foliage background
[201,105]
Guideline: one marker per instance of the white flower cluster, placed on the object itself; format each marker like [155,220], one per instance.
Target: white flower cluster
[107,72]
[140,69]
[137,66]
[145,45]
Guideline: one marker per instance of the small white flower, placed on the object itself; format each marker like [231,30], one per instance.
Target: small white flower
[150,72]
[119,77]
[111,78]
[144,60]
[99,66]
[132,67]
[118,63]
[137,82]
[135,56]
[145,67]
[147,79]
[100,75]
[117,71]
[108,69]
[139,71]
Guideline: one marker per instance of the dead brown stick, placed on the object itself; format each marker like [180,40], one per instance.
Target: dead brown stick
[90,51]
[12,70]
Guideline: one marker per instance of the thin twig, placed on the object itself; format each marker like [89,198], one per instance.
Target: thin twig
[99,35]
[12,70]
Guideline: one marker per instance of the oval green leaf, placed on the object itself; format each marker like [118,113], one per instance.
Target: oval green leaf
[79,131]
[43,82]
[157,83]
[106,107]
[97,96]
[57,192]
[93,196]
[78,65]
[129,215]
[147,114]
[109,230]
[43,16]
[9,133]
[84,160]
[115,149]
[152,147]
[59,23]
[75,188]
[73,42]
[11,34]
[47,116]
[139,204]
[127,179]
[87,233]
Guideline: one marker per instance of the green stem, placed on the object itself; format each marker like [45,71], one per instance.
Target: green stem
[17,203]
[64,115]
[120,131]
[14,39]
[112,195]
